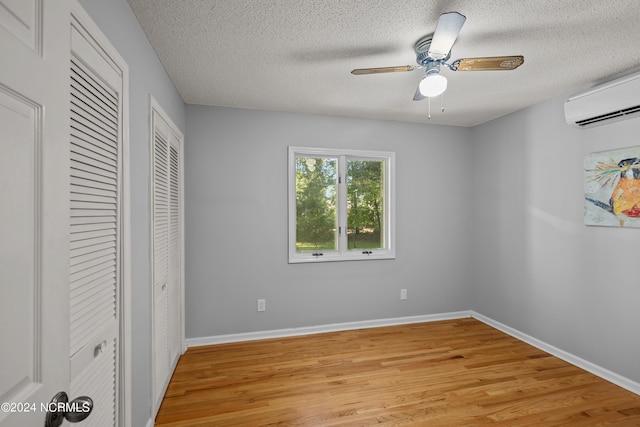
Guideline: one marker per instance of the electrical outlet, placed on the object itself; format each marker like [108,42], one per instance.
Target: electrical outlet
[262,305]
[403,294]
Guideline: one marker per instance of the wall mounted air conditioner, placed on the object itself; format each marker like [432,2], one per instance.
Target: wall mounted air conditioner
[607,103]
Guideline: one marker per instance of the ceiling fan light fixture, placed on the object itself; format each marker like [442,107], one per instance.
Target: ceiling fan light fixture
[433,50]
[433,85]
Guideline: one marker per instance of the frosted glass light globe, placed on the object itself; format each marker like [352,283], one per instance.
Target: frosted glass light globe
[433,85]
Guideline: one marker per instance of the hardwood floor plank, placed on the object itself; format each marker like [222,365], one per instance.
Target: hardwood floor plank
[450,373]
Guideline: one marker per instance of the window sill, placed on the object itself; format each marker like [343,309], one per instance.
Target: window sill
[328,257]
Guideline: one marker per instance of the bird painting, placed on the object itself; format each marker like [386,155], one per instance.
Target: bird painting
[612,188]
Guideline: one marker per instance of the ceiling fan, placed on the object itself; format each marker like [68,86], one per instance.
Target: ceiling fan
[434,50]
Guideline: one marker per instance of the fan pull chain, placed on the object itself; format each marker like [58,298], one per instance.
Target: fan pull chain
[441,107]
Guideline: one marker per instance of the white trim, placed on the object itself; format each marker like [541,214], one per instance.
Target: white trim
[599,371]
[124,394]
[333,327]
[126,324]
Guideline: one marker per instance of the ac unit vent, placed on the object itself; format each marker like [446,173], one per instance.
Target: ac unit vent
[609,116]
[616,100]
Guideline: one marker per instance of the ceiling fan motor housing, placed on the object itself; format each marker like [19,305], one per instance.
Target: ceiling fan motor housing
[433,67]
[422,49]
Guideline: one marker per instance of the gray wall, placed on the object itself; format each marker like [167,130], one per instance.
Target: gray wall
[537,268]
[236,224]
[146,76]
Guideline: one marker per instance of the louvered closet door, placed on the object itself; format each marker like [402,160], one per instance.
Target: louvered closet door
[160,267]
[167,259]
[96,138]
[174,294]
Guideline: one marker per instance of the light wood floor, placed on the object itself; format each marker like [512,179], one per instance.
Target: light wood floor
[450,373]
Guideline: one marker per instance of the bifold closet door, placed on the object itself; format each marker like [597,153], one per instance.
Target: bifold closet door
[96,140]
[167,258]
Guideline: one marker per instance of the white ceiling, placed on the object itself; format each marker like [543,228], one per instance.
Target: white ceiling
[296,55]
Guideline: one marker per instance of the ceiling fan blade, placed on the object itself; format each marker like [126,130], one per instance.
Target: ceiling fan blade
[490,63]
[418,96]
[362,71]
[447,30]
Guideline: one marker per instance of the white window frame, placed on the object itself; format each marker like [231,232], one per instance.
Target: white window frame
[343,253]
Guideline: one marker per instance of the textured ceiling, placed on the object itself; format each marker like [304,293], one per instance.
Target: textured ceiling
[296,55]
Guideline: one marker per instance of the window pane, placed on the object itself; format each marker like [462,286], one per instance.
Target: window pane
[365,204]
[316,204]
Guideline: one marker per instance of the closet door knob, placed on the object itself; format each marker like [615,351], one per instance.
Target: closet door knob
[100,348]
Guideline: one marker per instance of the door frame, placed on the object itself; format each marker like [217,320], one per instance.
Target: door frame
[123,362]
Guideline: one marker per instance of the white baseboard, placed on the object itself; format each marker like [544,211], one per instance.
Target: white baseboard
[334,327]
[599,371]
[150,423]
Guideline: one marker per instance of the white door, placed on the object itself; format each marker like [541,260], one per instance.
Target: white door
[167,249]
[63,270]
[96,284]
[34,208]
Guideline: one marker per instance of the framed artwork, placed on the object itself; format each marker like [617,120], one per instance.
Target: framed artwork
[612,188]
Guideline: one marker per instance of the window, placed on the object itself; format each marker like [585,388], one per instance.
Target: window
[341,205]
